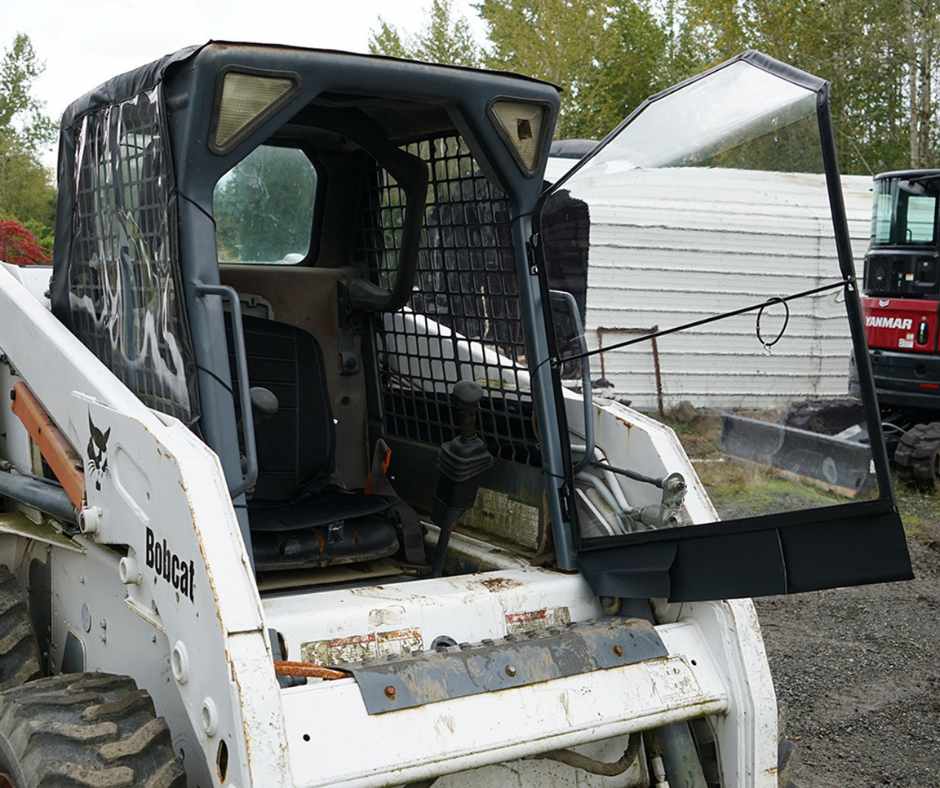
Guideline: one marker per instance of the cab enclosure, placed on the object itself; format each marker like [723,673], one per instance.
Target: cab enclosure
[300,253]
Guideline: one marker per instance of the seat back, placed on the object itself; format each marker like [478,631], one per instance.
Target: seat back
[296,446]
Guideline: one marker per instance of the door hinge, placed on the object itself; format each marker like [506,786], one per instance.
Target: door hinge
[532,254]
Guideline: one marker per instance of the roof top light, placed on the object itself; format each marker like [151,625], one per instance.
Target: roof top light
[521,124]
[245,99]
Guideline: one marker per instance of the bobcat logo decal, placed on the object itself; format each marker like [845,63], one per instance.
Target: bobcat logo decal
[97,452]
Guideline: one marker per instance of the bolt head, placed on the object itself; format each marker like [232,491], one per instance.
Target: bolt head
[618,650]
[511,670]
[390,692]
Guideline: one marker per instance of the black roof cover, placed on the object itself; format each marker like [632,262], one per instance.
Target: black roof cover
[125,86]
[131,83]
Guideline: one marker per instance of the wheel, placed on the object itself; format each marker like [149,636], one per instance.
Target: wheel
[19,652]
[825,416]
[917,457]
[84,729]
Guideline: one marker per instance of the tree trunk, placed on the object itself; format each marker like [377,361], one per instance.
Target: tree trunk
[923,42]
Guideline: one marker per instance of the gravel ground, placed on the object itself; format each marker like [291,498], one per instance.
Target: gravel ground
[858,680]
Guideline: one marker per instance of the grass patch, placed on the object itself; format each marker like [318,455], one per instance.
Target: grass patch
[920,512]
[742,489]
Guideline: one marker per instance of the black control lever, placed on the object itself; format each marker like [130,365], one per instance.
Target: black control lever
[460,464]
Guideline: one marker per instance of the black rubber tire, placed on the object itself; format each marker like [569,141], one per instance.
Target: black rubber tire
[917,457]
[825,416]
[19,651]
[85,729]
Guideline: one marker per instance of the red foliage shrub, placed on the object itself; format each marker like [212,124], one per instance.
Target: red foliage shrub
[18,245]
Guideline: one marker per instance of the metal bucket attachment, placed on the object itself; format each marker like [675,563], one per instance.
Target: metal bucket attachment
[830,459]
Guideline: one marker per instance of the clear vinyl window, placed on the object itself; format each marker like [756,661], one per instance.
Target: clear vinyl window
[264,208]
[708,217]
[124,287]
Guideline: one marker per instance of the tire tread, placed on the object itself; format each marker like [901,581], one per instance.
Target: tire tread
[92,730]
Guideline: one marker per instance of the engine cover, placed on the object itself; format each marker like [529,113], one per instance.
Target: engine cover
[901,324]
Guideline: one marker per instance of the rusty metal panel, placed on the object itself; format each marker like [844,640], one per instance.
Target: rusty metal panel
[515,661]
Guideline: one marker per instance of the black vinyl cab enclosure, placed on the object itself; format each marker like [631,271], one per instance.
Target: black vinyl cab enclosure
[354,235]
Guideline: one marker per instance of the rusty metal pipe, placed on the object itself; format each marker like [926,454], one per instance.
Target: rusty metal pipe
[307,670]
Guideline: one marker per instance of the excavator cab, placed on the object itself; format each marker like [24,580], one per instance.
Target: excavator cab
[901,301]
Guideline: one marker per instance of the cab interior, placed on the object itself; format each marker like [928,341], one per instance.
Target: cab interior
[365,298]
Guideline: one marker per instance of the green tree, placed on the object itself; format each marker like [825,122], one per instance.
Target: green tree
[26,190]
[22,116]
[447,38]
[605,56]
[922,46]
[859,46]
[629,71]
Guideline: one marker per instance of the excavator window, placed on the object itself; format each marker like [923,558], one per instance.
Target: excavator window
[904,211]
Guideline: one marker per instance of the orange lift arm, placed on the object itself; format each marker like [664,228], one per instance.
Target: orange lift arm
[55,449]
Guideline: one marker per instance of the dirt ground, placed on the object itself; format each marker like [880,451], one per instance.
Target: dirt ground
[857,670]
[858,680]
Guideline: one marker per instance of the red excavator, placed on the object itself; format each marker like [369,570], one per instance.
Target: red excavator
[901,302]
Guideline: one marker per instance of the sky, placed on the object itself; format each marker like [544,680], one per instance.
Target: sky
[84,42]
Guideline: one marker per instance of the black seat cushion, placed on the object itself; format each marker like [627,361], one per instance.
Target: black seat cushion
[296,446]
[323,508]
[365,539]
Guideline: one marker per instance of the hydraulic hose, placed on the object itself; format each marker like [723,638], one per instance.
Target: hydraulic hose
[41,494]
[603,768]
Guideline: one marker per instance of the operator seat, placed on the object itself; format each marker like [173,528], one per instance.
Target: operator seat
[298,516]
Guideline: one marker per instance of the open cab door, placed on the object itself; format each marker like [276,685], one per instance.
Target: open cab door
[755,317]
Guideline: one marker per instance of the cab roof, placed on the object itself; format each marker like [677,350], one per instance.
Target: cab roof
[131,83]
[893,174]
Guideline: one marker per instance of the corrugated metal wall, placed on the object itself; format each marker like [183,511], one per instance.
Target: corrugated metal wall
[674,245]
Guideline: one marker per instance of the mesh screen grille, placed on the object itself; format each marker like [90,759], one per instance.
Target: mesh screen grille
[463,319]
[123,273]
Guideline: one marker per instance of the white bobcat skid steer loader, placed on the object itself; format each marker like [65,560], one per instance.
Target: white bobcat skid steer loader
[291,489]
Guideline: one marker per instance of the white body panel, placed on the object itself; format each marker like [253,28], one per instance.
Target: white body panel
[674,245]
[162,478]
[467,733]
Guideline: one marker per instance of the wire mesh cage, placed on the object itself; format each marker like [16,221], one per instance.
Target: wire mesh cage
[463,320]
[125,299]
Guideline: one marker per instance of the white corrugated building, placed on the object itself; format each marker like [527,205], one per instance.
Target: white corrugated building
[669,246]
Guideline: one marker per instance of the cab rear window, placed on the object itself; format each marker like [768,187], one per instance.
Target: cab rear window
[264,208]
